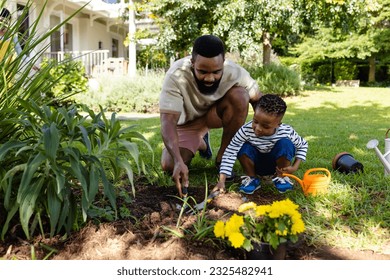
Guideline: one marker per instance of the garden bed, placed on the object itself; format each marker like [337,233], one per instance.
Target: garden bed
[143,236]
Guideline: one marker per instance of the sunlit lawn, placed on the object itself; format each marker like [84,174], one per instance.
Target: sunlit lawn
[356,211]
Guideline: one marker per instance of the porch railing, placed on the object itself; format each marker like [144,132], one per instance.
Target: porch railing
[94,61]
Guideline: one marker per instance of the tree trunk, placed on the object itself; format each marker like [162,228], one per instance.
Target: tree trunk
[371,73]
[267,47]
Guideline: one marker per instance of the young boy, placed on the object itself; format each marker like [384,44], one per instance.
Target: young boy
[264,146]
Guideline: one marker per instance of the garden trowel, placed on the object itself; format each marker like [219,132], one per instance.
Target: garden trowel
[202,204]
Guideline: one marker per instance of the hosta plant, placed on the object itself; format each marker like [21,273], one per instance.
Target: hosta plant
[62,163]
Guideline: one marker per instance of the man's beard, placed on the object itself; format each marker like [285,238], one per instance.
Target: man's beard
[207,90]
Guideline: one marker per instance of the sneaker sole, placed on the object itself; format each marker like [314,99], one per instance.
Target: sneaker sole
[284,191]
[258,187]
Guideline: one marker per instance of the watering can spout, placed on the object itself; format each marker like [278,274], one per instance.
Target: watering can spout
[372,144]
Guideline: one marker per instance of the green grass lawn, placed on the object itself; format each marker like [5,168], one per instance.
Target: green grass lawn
[356,211]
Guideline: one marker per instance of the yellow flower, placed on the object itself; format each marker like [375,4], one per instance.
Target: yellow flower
[298,226]
[261,210]
[233,224]
[247,206]
[290,205]
[219,229]
[237,239]
[280,220]
[281,233]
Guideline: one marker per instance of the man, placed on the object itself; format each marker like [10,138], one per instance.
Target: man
[201,92]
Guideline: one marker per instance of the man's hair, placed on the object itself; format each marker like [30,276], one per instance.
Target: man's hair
[272,104]
[208,46]
[5,14]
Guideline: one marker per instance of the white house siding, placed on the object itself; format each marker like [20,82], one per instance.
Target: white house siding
[97,22]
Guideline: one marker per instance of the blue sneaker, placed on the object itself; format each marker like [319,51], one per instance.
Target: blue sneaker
[283,184]
[208,153]
[250,184]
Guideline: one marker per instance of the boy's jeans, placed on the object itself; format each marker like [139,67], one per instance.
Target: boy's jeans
[265,164]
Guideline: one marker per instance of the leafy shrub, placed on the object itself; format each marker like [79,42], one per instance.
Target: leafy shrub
[277,79]
[122,93]
[322,72]
[68,78]
[345,70]
[60,166]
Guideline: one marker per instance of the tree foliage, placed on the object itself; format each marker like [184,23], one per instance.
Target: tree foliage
[361,31]
[248,25]
[181,22]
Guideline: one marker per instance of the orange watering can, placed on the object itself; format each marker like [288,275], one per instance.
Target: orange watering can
[313,183]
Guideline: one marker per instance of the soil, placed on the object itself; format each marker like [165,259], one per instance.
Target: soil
[144,236]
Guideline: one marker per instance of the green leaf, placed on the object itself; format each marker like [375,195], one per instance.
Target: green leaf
[60,181]
[7,184]
[54,207]
[123,163]
[132,148]
[108,189]
[8,146]
[93,182]
[86,140]
[77,169]
[247,245]
[28,174]
[11,213]
[27,204]
[51,141]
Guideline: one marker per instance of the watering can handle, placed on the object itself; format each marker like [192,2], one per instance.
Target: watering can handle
[318,169]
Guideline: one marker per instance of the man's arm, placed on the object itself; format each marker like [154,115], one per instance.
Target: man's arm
[171,142]
[169,134]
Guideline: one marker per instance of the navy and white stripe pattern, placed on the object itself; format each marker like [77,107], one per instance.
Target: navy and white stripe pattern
[264,144]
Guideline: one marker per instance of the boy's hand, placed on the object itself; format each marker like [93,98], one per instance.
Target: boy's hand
[219,187]
[288,169]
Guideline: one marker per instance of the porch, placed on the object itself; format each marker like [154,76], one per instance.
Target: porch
[96,62]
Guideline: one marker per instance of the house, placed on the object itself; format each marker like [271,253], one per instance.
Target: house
[95,35]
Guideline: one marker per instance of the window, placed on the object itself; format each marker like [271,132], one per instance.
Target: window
[115,45]
[67,36]
[24,24]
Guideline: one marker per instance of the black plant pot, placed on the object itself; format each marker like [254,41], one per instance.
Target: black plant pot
[345,163]
[264,251]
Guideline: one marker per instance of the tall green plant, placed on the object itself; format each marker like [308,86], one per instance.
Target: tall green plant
[18,80]
[53,161]
[61,165]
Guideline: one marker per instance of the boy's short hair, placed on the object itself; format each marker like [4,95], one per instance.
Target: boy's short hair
[272,104]
[208,46]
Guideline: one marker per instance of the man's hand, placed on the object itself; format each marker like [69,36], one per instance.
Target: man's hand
[180,177]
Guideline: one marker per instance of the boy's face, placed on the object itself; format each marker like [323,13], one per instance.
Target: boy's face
[265,124]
